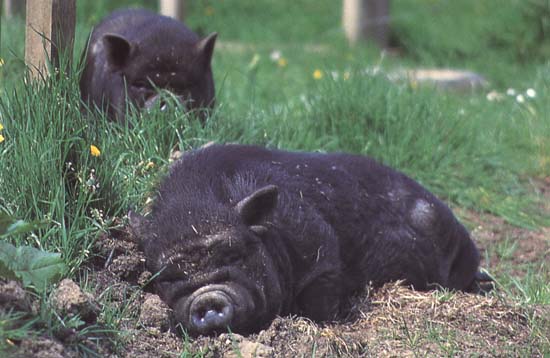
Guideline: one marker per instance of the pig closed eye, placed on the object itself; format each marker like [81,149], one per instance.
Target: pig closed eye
[238,252]
[172,275]
[172,279]
[231,258]
[143,85]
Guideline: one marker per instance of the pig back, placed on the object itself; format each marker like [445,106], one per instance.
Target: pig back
[340,212]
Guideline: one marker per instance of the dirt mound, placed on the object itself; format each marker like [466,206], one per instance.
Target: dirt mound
[42,348]
[13,296]
[69,300]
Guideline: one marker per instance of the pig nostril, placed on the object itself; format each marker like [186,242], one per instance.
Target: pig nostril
[211,312]
[210,317]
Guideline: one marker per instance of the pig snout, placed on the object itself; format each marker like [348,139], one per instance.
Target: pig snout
[155,101]
[211,311]
[162,102]
[215,308]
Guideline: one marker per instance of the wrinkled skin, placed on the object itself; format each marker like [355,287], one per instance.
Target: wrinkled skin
[241,234]
[132,54]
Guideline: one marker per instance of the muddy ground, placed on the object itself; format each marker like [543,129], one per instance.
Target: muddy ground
[389,322]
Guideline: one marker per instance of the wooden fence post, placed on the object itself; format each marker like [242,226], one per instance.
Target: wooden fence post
[366,20]
[49,33]
[14,7]
[173,8]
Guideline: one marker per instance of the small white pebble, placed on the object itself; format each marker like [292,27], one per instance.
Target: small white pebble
[531,93]
[511,92]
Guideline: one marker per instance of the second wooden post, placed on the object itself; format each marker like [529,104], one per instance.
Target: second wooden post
[49,34]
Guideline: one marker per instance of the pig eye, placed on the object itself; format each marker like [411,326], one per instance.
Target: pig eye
[172,274]
[230,251]
[231,258]
[145,84]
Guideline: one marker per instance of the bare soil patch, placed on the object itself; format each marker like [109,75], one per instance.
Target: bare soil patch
[517,247]
[511,249]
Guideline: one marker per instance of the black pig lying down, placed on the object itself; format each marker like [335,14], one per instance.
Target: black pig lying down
[243,233]
[133,53]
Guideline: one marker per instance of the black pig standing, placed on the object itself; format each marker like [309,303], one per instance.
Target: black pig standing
[133,52]
[243,233]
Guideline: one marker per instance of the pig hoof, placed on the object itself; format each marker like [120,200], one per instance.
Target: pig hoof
[211,312]
[483,283]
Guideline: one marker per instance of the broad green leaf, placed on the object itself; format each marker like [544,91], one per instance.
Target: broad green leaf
[12,226]
[32,266]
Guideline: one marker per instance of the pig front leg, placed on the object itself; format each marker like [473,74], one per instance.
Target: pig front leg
[320,298]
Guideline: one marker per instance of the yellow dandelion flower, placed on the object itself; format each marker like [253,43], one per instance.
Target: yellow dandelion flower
[1,62]
[209,11]
[2,138]
[282,62]
[94,151]
[317,74]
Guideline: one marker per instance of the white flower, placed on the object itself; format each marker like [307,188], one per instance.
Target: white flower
[520,98]
[494,96]
[531,93]
[275,55]
[511,92]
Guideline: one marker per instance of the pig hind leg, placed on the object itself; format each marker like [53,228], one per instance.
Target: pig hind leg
[482,284]
[463,272]
[320,299]
[454,252]
[400,253]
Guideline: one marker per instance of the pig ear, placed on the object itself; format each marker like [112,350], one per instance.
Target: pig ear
[258,205]
[118,49]
[205,48]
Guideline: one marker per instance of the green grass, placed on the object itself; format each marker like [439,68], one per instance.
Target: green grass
[471,152]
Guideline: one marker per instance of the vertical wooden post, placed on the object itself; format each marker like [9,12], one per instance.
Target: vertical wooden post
[353,13]
[366,20]
[173,8]
[14,7]
[49,33]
